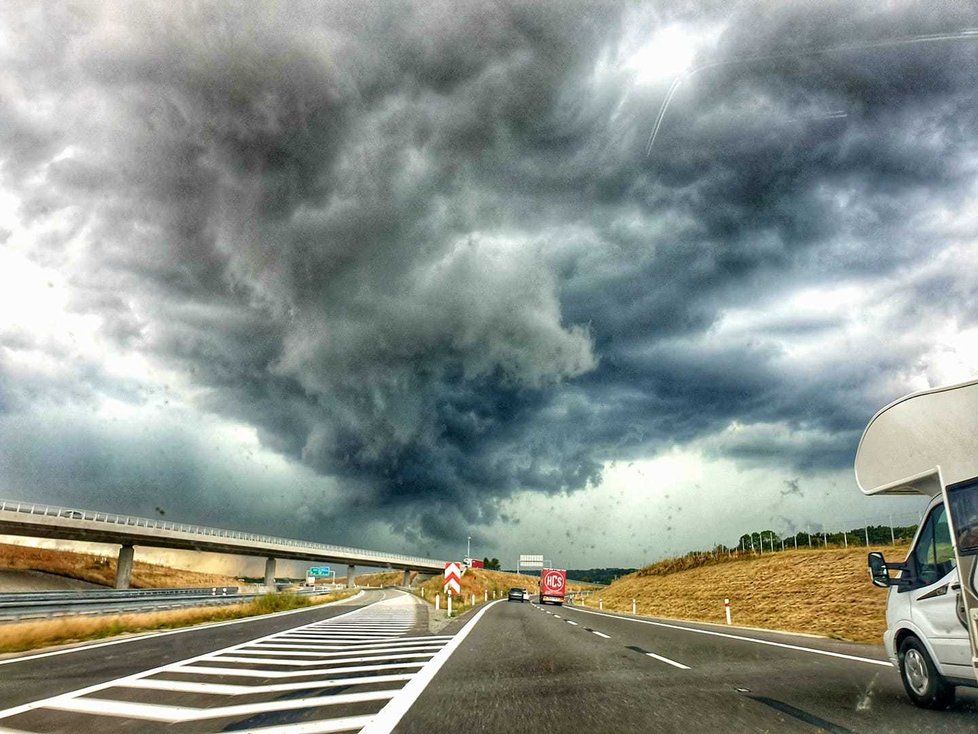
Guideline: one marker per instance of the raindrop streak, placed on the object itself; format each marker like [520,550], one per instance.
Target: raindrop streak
[966,34]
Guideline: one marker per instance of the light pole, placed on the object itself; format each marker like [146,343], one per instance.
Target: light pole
[468,553]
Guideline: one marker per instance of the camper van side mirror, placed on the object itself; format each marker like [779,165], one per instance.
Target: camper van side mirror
[878,572]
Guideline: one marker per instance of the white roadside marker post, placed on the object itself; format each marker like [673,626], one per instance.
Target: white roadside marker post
[449,603]
[601,604]
[633,606]
[726,609]
[437,602]
[485,595]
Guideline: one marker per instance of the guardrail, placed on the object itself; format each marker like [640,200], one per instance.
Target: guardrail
[70,513]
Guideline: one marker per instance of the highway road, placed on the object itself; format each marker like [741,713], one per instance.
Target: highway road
[370,664]
[555,669]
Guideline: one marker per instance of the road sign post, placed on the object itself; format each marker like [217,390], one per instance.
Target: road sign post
[453,582]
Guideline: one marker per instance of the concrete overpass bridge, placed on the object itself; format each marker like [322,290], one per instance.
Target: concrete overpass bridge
[66,523]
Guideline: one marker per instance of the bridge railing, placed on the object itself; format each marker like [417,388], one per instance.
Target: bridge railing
[70,513]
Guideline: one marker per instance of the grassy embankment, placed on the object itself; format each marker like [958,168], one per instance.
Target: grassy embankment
[101,569]
[825,592]
[20,636]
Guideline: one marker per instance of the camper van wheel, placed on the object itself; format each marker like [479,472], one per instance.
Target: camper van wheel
[925,686]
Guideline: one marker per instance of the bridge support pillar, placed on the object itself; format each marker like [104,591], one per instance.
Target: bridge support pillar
[123,570]
[407,578]
[270,573]
[350,576]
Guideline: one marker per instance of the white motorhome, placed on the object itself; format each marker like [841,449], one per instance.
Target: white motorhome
[927,444]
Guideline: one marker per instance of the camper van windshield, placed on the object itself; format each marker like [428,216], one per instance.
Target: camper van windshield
[964,509]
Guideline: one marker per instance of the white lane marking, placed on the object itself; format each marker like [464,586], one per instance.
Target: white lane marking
[178,714]
[742,638]
[250,673]
[44,702]
[153,635]
[668,661]
[285,661]
[569,622]
[326,726]
[601,634]
[393,712]
[556,616]
[392,642]
[226,689]
[298,654]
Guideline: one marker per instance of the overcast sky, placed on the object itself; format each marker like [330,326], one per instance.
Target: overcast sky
[392,274]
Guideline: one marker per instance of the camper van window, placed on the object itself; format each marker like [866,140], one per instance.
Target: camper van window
[933,556]
[964,503]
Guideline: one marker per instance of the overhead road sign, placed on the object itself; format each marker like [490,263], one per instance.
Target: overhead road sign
[453,578]
[320,571]
[530,561]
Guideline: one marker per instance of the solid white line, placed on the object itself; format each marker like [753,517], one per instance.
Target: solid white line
[391,714]
[306,663]
[153,635]
[178,714]
[226,689]
[414,641]
[326,726]
[742,638]
[250,673]
[260,655]
[601,634]
[667,660]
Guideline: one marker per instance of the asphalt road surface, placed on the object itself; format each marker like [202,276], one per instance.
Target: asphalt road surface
[557,669]
[370,664]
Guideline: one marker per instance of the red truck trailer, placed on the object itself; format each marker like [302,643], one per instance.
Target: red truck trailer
[553,586]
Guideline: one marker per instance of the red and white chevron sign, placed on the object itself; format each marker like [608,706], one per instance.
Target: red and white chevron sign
[453,577]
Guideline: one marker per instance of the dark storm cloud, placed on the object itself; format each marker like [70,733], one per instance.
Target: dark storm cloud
[418,246]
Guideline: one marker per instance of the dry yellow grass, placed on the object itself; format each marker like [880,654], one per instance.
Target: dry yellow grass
[824,592]
[101,569]
[20,636]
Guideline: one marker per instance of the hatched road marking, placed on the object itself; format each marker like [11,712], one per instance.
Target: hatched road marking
[320,664]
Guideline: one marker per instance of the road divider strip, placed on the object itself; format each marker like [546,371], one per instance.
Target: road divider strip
[60,699]
[389,716]
[148,636]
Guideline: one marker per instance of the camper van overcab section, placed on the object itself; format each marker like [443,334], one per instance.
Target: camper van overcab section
[927,443]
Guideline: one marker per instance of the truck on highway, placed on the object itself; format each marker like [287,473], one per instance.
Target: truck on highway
[553,586]
[927,444]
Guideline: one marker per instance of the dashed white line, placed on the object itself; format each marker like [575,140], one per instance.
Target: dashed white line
[601,634]
[668,661]
[742,638]
[569,622]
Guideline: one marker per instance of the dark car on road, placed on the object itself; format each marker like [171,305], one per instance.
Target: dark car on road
[517,595]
